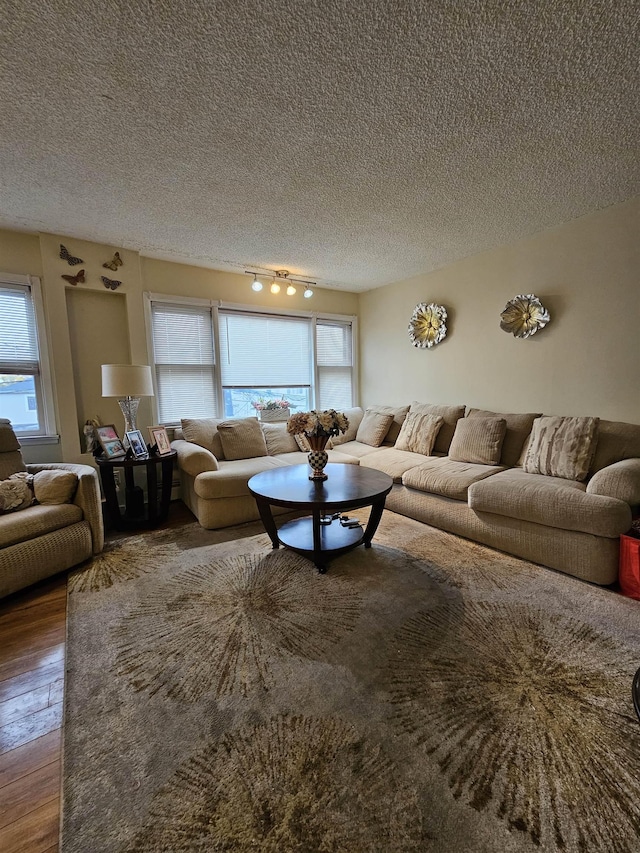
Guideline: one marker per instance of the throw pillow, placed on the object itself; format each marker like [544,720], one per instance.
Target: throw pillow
[450,415]
[242,439]
[302,442]
[354,416]
[55,487]
[203,431]
[16,493]
[478,440]
[518,429]
[418,433]
[374,427]
[278,440]
[561,447]
[399,414]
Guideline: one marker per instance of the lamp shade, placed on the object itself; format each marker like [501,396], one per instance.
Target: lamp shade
[126,380]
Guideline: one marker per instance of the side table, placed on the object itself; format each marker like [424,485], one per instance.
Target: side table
[136,514]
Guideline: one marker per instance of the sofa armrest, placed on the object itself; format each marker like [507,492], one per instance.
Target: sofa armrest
[194,459]
[620,480]
[87,496]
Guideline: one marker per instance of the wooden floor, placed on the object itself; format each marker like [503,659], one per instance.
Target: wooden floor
[32,646]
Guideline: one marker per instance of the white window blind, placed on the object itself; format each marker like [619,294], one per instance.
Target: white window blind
[263,350]
[334,348]
[18,333]
[184,361]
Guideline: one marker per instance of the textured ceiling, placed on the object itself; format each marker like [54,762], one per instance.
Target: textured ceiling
[355,142]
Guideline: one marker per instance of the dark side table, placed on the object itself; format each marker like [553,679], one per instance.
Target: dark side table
[136,513]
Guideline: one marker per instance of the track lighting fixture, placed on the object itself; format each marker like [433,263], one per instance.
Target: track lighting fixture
[281,277]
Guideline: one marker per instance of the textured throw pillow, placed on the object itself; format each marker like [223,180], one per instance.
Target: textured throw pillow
[478,440]
[242,439]
[16,493]
[561,447]
[278,440]
[55,487]
[203,431]
[518,429]
[373,427]
[450,415]
[418,433]
[302,442]
[399,414]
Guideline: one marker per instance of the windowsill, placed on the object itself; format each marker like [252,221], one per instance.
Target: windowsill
[31,440]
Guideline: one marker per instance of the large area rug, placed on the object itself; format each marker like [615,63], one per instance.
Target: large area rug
[427,694]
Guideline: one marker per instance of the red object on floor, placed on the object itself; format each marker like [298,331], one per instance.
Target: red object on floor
[629,572]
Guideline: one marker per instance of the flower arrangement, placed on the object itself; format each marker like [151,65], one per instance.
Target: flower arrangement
[326,423]
[269,405]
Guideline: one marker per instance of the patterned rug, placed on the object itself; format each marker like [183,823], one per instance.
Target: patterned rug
[428,694]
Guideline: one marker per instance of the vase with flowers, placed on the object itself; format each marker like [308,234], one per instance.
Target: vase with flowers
[317,427]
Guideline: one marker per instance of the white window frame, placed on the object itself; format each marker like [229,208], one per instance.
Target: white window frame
[217,305]
[42,380]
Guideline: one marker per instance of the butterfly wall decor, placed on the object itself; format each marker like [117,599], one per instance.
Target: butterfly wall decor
[109,283]
[74,279]
[70,259]
[114,263]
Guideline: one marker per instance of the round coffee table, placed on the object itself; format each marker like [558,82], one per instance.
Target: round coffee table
[322,536]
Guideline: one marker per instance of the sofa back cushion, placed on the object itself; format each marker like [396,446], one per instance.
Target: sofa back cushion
[450,416]
[11,461]
[419,432]
[242,439]
[561,447]
[374,427]
[203,431]
[616,441]
[478,440]
[278,440]
[399,414]
[354,416]
[517,432]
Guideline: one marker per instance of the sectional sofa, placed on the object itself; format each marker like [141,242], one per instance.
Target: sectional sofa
[553,490]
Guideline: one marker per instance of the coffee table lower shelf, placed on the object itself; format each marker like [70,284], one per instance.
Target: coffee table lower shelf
[334,539]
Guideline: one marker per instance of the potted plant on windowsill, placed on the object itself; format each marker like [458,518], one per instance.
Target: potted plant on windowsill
[271,411]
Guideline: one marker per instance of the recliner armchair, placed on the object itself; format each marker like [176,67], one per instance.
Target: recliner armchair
[43,539]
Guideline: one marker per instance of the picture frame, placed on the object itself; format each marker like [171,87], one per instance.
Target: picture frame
[137,444]
[112,447]
[160,438]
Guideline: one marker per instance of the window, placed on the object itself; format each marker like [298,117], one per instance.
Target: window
[215,361]
[25,392]
[184,358]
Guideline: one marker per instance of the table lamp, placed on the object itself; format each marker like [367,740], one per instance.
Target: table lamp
[127,382]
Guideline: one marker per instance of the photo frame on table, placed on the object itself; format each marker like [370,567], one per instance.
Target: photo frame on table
[160,438]
[109,440]
[137,444]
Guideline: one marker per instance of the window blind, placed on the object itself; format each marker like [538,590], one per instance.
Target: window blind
[184,359]
[18,333]
[263,350]
[334,350]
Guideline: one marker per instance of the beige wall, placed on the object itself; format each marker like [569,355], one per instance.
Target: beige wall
[88,325]
[585,362]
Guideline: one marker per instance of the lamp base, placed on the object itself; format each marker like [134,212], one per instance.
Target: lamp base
[129,409]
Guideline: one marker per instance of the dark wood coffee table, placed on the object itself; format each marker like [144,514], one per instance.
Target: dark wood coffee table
[346,487]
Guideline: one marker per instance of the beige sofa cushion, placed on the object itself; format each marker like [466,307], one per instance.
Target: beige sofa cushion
[616,441]
[399,414]
[392,461]
[203,431]
[54,487]
[446,477]
[478,440]
[419,432]
[278,440]
[36,521]
[231,478]
[550,501]
[354,416]
[374,427]
[356,448]
[517,432]
[242,439]
[561,447]
[449,414]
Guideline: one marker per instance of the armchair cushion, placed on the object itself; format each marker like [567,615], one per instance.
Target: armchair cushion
[55,487]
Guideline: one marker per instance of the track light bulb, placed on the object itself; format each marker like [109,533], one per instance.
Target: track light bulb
[291,290]
[308,293]
[257,285]
[275,287]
